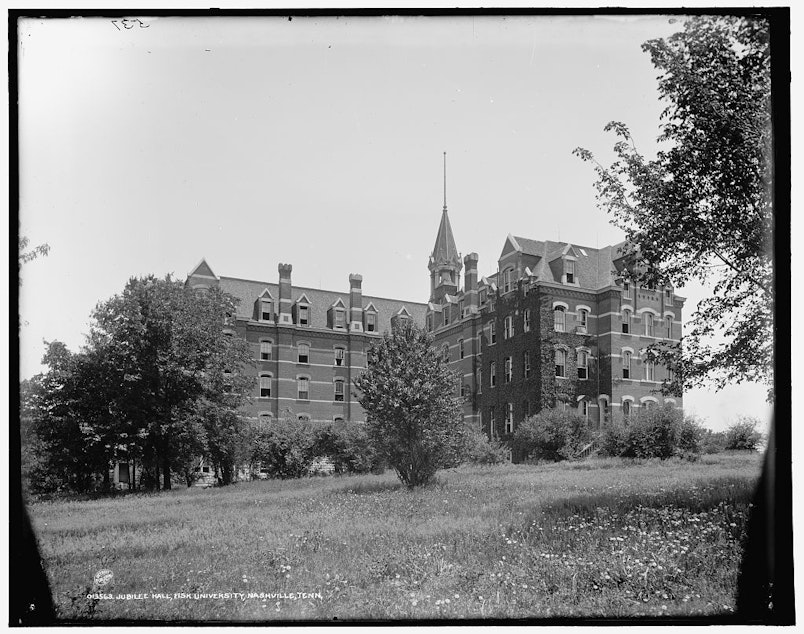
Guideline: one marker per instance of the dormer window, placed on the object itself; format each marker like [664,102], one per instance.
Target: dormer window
[668,296]
[461,310]
[483,297]
[446,315]
[266,310]
[569,271]
[507,277]
[339,315]
[304,315]
[371,322]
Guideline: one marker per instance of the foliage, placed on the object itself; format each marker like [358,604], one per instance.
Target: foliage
[412,416]
[702,209]
[713,442]
[552,434]
[659,432]
[27,256]
[743,434]
[284,448]
[157,381]
[348,446]
[480,450]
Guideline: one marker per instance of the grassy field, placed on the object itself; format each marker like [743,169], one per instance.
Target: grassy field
[597,538]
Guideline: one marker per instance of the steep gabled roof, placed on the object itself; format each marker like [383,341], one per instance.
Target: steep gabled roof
[202,269]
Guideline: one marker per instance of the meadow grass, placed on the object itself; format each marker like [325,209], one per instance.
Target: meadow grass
[599,538]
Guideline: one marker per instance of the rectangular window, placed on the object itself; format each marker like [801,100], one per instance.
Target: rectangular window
[491,422]
[668,297]
[304,353]
[585,409]
[339,390]
[492,374]
[561,360]
[371,322]
[508,369]
[626,365]
[569,269]
[265,386]
[430,322]
[583,318]
[509,418]
[266,350]
[526,325]
[507,280]
[508,327]
[460,309]
[446,315]
[303,389]
[304,315]
[339,353]
[461,350]
[340,319]
[648,319]
[626,290]
[266,310]
[493,332]
[649,374]
[668,327]
[583,364]
[626,321]
[526,364]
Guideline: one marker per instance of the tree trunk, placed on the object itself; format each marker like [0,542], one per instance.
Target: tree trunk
[166,474]
[107,484]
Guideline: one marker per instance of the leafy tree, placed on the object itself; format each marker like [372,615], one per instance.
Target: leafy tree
[659,432]
[552,434]
[743,434]
[702,209]
[284,448]
[412,416]
[27,256]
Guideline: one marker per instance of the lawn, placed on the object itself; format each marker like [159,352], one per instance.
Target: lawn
[604,537]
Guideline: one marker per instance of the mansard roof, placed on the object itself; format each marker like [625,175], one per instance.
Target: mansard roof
[247,291]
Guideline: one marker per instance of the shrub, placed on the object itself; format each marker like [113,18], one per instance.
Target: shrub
[743,434]
[551,435]
[412,416]
[284,448]
[480,450]
[654,433]
[713,442]
[348,446]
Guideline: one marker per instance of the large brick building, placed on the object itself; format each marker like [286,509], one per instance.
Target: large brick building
[308,344]
[555,326]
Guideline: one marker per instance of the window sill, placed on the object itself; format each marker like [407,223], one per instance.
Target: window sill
[302,400]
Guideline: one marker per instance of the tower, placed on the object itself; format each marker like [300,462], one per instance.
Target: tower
[445,262]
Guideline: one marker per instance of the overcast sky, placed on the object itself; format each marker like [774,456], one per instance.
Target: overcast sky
[318,142]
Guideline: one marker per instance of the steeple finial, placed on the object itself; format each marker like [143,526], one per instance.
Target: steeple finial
[445,181]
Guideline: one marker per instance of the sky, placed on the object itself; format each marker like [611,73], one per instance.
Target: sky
[318,142]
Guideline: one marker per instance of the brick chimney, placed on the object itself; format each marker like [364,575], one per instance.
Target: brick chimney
[356,302]
[285,293]
[470,282]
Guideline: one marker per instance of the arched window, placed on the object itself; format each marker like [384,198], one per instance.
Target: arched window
[583,319]
[303,388]
[492,374]
[445,353]
[668,327]
[626,364]
[265,418]
[339,389]
[461,351]
[265,386]
[626,409]
[304,353]
[561,362]
[626,321]
[649,371]
[492,332]
[508,369]
[559,319]
[583,408]
[526,320]
[648,321]
[583,364]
